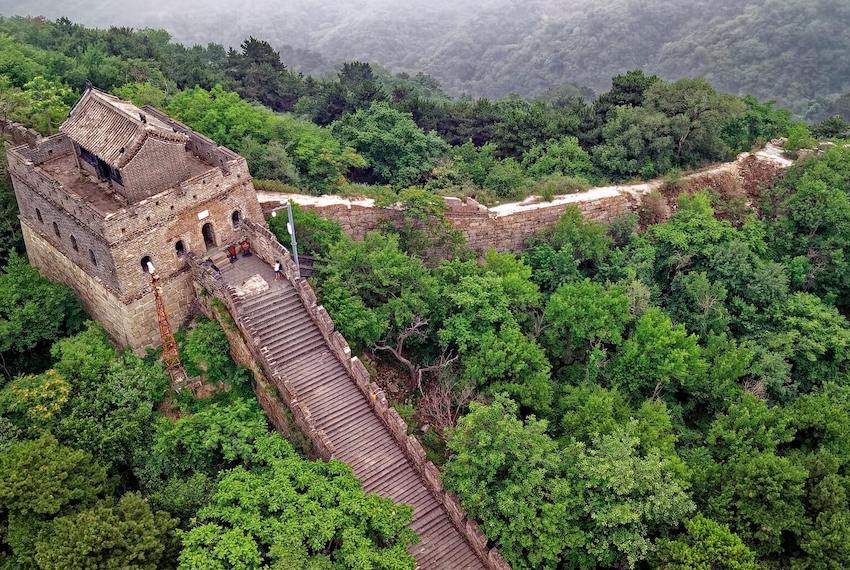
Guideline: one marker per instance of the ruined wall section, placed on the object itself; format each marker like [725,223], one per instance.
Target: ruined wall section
[18,134]
[485,229]
[44,149]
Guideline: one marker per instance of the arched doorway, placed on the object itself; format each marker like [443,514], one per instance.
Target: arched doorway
[236,217]
[209,235]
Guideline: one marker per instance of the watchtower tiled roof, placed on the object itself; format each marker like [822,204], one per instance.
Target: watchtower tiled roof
[112,129]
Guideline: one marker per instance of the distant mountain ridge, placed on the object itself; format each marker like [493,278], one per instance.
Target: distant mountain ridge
[794,51]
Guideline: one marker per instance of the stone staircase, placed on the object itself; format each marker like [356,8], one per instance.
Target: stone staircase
[295,349]
[334,402]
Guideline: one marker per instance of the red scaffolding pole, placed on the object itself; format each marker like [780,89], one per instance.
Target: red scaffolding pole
[170,356]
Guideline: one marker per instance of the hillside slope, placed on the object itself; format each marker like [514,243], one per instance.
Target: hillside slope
[790,50]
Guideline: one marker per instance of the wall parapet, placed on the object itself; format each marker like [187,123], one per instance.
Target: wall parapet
[507,227]
[23,165]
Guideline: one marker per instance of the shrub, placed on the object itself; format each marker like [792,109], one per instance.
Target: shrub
[673,179]
[622,229]
[507,179]
[653,209]
[557,185]
[261,185]
[799,137]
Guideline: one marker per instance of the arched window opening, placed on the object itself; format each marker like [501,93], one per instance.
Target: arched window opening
[56,229]
[38,215]
[236,217]
[92,257]
[74,243]
[146,264]
[180,248]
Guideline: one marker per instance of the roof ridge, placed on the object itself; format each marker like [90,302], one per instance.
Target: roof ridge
[112,99]
[114,129]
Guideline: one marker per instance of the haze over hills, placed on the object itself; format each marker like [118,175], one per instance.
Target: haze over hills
[790,50]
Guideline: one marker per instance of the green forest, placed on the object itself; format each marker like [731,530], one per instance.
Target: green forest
[793,51]
[366,131]
[670,390]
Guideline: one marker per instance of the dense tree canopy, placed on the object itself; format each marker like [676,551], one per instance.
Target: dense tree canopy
[294,513]
[692,380]
[397,152]
[672,390]
[33,313]
[93,475]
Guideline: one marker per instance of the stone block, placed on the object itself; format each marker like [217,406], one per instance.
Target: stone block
[496,562]
[414,451]
[432,478]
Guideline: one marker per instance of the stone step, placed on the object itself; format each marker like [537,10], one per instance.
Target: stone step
[257,307]
[294,339]
[320,366]
[293,348]
[283,354]
[281,325]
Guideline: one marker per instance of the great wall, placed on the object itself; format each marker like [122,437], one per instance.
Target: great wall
[313,390]
[507,227]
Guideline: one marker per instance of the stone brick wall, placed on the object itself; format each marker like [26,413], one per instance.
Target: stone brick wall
[17,133]
[94,294]
[130,324]
[74,241]
[43,149]
[100,253]
[355,218]
[68,224]
[157,237]
[485,229]
[24,168]
[198,144]
[202,190]
[507,227]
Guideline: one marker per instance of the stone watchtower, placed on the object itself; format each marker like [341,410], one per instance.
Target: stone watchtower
[120,186]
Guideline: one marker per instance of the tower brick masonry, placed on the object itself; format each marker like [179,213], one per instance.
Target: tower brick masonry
[119,186]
